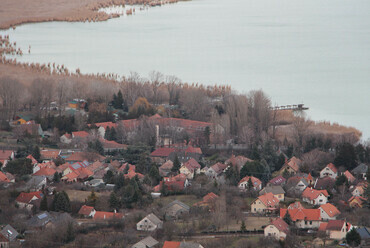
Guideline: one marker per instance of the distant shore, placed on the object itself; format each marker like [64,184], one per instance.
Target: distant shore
[17,12]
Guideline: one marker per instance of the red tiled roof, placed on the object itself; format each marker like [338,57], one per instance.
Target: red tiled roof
[80,134]
[171,244]
[131,174]
[309,177]
[281,225]
[322,227]
[332,167]
[330,209]
[313,193]
[106,124]
[210,197]
[162,152]
[269,200]
[27,197]
[99,215]
[4,178]
[301,214]
[238,160]
[46,171]
[62,167]
[112,144]
[360,199]
[85,210]
[296,205]
[335,225]
[167,165]
[349,176]
[191,149]
[255,181]
[33,160]
[49,154]
[5,154]
[71,176]
[219,167]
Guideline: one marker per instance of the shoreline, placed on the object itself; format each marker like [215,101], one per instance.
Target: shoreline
[68,11]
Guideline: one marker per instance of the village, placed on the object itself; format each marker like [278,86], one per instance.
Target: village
[85,174]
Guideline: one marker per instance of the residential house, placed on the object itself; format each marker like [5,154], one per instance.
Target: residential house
[237,161]
[36,183]
[47,172]
[102,216]
[80,135]
[112,146]
[359,189]
[336,229]
[23,119]
[216,170]
[183,153]
[277,191]
[5,156]
[87,211]
[171,244]
[94,183]
[310,180]
[165,168]
[49,219]
[329,171]
[33,160]
[66,138]
[9,232]
[208,201]
[265,203]
[174,184]
[356,201]
[175,210]
[49,155]
[149,223]
[296,205]
[147,242]
[30,129]
[256,183]
[190,168]
[303,218]
[329,211]
[277,229]
[6,178]
[349,176]
[291,166]
[315,197]
[297,184]
[82,156]
[279,180]
[360,171]
[39,166]
[4,242]
[174,244]
[25,200]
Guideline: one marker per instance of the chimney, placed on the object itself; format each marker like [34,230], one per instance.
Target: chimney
[115,211]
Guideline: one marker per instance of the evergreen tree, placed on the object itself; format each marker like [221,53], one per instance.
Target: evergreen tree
[243,172]
[119,182]
[107,133]
[113,134]
[70,234]
[127,168]
[118,104]
[114,201]
[108,177]
[36,153]
[250,184]
[44,203]
[176,164]
[56,177]
[287,218]
[243,228]
[61,202]
[342,179]
[154,175]
[353,238]
[92,199]
[346,156]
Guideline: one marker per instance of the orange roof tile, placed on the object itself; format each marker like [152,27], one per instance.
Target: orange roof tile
[269,200]
[330,209]
[281,225]
[349,176]
[99,215]
[5,154]
[255,181]
[27,197]
[301,214]
[171,244]
[85,210]
[3,177]
[33,160]
[332,167]
[296,205]
[49,154]
[46,171]
[80,134]
[313,193]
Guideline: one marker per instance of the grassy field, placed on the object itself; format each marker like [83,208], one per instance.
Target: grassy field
[252,223]
[80,196]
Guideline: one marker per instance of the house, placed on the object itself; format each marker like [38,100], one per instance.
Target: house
[49,155]
[23,119]
[46,219]
[174,244]
[39,166]
[291,166]
[77,173]
[25,200]
[303,218]
[66,138]
[216,170]
[265,203]
[5,156]
[147,242]
[296,205]
[94,183]
[310,180]
[101,216]
[329,171]
[237,161]
[208,201]
[175,210]
[356,201]
[82,156]
[165,168]
[329,211]
[360,171]
[87,211]
[277,229]
[33,160]
[4,242]
[174,184]
[112,146]
[36,183]
[297,184]
[149,223]
[9,232]
[336,229]
[80,135]
[315,197]
[359,189]
[277,191]
[6,178]
[47,172]
[190,168]
[365,235]
[243,184]
[279,180]
[349,176]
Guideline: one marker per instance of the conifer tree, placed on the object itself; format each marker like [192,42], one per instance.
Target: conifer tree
[44,203]
[176,164]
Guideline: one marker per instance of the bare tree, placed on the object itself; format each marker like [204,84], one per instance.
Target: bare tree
[194,102]
[156,79]
[11,94]
[173,87]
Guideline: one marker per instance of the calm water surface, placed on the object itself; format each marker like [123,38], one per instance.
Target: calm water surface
[298,51]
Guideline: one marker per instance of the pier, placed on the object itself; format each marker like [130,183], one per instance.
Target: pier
[290,107]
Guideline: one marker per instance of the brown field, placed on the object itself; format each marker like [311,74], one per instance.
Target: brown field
[187,199]
[80,196]
[251,223]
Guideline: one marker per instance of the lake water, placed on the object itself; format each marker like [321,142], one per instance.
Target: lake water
[298,51]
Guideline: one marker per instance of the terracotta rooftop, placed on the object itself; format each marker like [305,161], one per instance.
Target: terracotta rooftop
[313,193]
[281,225]
[46,171]
[255,181]
[335,225]
[301,214]
[85,210]
[99,215]
[332,167]
[171,244]
[80,134]
[4,178]
[27,197]
[330,209]
[277,180]
[5,154]
[296,205]
[49,154]
[269,200]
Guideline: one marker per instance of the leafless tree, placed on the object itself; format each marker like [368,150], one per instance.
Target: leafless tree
[11,95]
[156,79]
[42,94]
[173,87]
[194,102]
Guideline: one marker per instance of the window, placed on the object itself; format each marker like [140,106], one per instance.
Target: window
[310,222]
